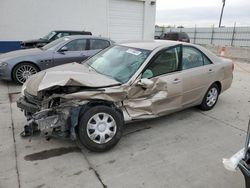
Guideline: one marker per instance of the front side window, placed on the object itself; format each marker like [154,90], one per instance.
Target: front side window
[96,44]
[118,62]
[166,62]
[191,58]
[77,45]
[53,45]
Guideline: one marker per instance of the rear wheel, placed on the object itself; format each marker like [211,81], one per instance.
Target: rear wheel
[211,98]
[23,71]
[100,128]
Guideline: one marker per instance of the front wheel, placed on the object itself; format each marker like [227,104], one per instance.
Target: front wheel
[100,128]
[211,98]
[23,71]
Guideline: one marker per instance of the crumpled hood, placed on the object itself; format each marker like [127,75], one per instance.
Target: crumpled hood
[20,53]
[72,74]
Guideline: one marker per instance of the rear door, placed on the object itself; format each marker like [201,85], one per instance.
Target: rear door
[75,52]
[165,95]
[197,73]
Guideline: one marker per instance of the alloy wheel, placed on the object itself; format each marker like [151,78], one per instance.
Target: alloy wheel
[24,72]
[212,96]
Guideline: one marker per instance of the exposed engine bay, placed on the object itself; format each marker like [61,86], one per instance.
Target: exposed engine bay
[53,117]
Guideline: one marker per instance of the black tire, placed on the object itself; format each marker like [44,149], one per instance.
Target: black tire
[83,130]
[205,106]
[33,69]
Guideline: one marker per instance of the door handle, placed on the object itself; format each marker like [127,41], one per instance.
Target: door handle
[210,70]
[176,81]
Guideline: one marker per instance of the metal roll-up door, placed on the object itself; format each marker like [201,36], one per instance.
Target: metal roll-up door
[126,18]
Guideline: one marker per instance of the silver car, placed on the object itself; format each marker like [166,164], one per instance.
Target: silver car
[90,102]
[19,65]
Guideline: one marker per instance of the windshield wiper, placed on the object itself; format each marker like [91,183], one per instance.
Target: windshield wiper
[90,67]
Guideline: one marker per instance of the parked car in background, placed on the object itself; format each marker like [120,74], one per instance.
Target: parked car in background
[53,35]
[20,64]
[176,36]
[132,81]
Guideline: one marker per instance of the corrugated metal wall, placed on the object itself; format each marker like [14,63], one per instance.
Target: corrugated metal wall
[225,36]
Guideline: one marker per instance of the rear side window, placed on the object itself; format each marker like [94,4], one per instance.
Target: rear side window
[206,60]
[191,57]
[96,44]
[77,45]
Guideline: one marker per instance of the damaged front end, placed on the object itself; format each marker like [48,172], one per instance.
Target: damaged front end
[52,116]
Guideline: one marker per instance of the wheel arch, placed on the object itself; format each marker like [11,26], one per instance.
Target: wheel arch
[218,83]
[93,103]
[101,103]
[30,62]
[82,134]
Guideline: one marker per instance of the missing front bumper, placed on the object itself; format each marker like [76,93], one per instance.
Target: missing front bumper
[23,104]
[49,122]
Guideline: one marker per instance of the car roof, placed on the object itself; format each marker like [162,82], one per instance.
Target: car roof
[151,45]
[174,32]
[71,37]
[156,44]
[70,31]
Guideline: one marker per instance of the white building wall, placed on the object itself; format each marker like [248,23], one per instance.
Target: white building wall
[149,20]
[28,19]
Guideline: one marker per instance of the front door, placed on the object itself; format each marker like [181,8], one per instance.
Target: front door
[74,51]
[163,93]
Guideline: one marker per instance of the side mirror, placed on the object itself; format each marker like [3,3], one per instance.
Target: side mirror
[145,83]
[63,49]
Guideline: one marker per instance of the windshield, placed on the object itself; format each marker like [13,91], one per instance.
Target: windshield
[52,45]
[118,62]
[49,36]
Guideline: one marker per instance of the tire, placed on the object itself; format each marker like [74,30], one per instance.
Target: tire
[211,97]
[22,71]
[100,128]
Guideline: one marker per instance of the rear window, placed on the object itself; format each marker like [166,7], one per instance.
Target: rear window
[183,36]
